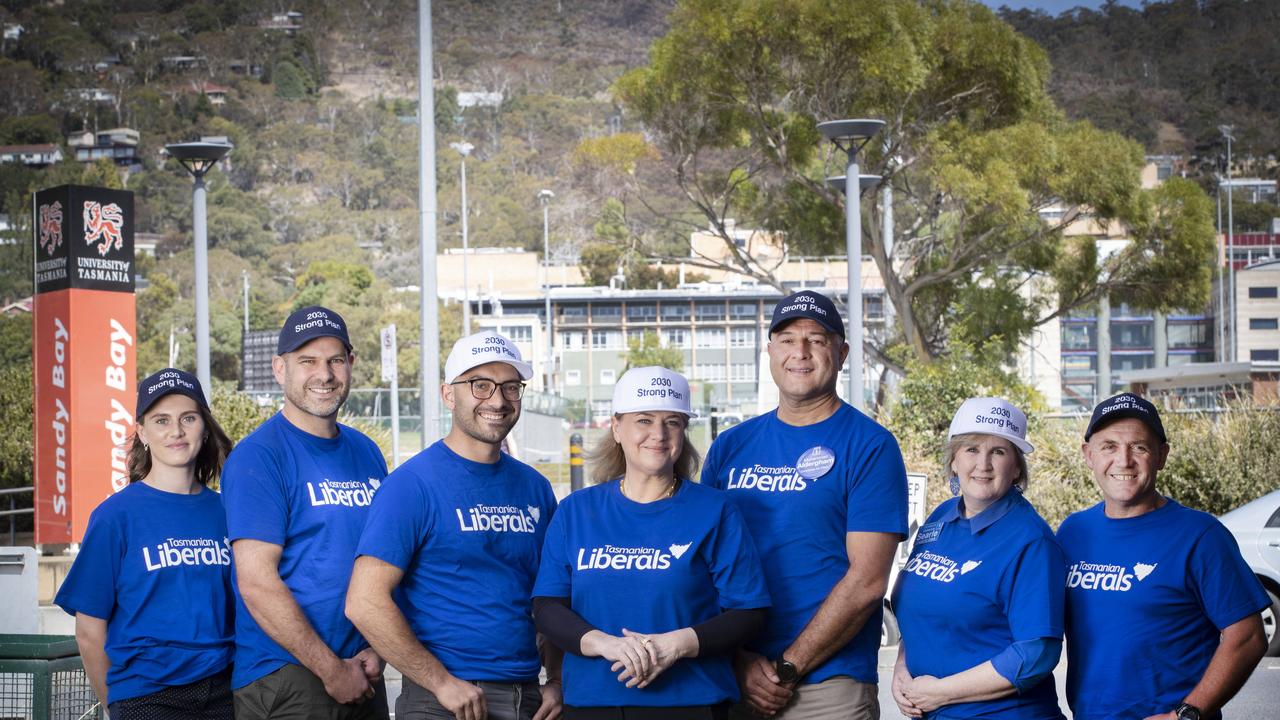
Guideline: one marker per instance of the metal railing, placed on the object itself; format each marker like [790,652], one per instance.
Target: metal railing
[14,511]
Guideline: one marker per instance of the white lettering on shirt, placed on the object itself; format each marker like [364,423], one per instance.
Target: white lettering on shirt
[612,557]
[933,566]
[176,552]
[766,479]
[344,493]
[1107,577]
[498,518]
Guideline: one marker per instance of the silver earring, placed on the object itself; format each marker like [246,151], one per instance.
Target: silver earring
[954,483]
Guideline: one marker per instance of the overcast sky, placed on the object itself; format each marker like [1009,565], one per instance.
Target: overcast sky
[1054,7]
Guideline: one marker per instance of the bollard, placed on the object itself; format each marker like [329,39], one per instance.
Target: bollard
[575,462]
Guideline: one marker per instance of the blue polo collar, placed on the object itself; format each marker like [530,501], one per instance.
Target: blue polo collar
[988,517]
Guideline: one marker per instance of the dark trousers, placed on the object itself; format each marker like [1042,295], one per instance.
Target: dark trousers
[207,699]
[504,700]
[295,693]
[632,712]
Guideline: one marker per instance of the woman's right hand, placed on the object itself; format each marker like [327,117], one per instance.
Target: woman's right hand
[627,653]
[901,676]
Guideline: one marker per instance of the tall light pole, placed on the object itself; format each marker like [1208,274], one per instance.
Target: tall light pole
[464,149]
[1222,291]
[1226,131]
[428,310]
[244,275]
[198,158]
[544,197]
[851,136]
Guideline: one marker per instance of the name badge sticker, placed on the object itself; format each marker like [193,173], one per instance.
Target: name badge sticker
[928,533]
[815,462]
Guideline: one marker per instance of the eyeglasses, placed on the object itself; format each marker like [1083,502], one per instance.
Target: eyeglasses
[484,388]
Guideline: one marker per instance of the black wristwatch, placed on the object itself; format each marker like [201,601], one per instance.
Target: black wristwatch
[789,675]
[1187,711]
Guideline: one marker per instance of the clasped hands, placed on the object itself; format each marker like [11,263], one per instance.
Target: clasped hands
[639,658]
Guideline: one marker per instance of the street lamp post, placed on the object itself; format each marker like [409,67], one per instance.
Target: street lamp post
[198,158]
[464,149]
[1226,131]
[851,136]
[544,197]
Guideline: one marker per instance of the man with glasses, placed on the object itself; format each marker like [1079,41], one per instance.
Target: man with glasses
[456,534]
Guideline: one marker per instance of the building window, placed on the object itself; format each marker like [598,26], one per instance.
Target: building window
[743,311]
[1262,292]
[573,312]
[873,307]
[518,333]
[1131,335]
[573,339]
[1075,366]
[742,337]
[678,338]
[710,311]
[1264,355]
[742,372]
[1183,336]
[601,408]
[642,312]
[606,340]
[572,377]
[709,338]
[608,376]
[1264,324]
[675,312]
[636,335]
[709,372]
[1079,337]
[1184,358]
[606,313]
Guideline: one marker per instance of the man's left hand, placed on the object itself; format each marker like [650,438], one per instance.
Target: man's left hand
[552,702]
[371,663]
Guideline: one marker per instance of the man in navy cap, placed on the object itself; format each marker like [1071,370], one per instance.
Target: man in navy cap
[1162,611]
[297,492]
[824,489]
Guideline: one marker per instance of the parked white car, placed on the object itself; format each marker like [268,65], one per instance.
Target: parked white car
[1256,527]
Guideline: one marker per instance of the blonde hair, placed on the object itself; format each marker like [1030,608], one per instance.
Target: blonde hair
[959,441]
[606,461]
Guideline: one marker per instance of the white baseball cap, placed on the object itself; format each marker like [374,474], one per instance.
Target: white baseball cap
[991,416]
[651,389]
[484,347]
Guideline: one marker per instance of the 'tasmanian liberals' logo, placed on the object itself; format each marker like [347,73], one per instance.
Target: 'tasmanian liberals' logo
[51,227]
[103,222]
[613,557]
[1104,576]
[935,567]
[179,552]
[498,518]
[765,478]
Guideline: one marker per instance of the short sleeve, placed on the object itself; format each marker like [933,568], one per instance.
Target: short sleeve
[398,521]
[877,495]
[1227,589]
[711,466]
[554,579]
[1034,592]
[90,585]
[735,564]
[254,497]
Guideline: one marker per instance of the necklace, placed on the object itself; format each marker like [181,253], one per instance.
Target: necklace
[671,489]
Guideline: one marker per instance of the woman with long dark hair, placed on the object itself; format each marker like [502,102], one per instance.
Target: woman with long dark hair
[151,586]
[648,581]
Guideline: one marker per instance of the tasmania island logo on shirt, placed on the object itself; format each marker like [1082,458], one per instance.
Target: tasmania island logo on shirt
[612,557]
[343,493]
[765,478]
[499,518]
[179,552]
[1104,576]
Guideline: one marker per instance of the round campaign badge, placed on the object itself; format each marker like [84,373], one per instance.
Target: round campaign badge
[815,462]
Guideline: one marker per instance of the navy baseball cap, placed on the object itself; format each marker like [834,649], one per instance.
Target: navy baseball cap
[1125,405]
[310,323]
[807,304]
[169,381]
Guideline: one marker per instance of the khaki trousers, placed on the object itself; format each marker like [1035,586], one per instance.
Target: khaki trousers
[837,698]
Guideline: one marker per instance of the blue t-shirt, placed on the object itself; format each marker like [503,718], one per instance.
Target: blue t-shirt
[310,495]
[799,518]
[1146,599]
[973,587]
[468,536]
[157,567]
[651,568]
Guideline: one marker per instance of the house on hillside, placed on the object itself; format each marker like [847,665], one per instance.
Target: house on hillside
[13,32]
[95,95]
[37,156]
[216,93]
[118,144]
[287,22]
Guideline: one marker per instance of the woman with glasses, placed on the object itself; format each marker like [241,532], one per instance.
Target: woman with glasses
[649,581]
[980,602]
[150,588]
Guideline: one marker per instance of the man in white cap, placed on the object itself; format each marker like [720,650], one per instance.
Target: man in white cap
[456,533]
